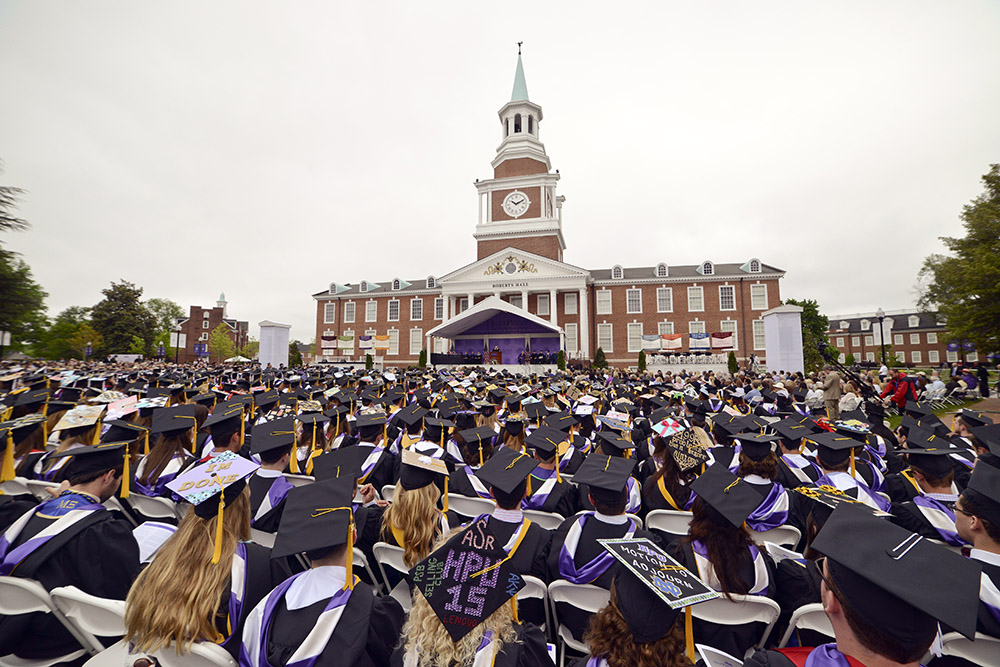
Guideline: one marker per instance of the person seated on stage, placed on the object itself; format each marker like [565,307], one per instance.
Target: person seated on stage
[835,456]
[978,523]
[547,491]
[885,592]
[324,616]
[793,468]
[486,631]
[269,488]
[576,555]
[170,453]
[209,554]
[83,545]
[611,443]
[759,468]
[931,513]
[506,476]
[476,446]
[719,549]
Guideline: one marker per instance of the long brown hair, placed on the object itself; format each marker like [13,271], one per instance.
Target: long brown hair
[608,637]
[175,601]
[415,513]
[725,544]
[160,454]
[766,467]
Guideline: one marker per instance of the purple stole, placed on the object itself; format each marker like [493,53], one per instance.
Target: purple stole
[772,512]
[68,510]
[588,572]
[159,488]
[827,655]
[275,494]
[477,484]
[538,499]
[237,588]
[941,517]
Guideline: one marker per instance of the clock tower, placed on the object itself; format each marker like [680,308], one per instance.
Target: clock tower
[518,207]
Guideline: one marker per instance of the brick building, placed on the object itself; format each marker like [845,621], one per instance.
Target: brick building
[196,328]
[520,261]
[915,338]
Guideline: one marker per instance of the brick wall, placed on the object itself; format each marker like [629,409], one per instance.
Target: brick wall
[546,246]
[198,329]
[519,167]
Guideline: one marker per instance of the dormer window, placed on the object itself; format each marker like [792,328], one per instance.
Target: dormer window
[914,321]
[845,325]
[866,325]
[395,284]
[707,269]
[617,273]
[431,283]
[661,271]
[754,266]
[364,286]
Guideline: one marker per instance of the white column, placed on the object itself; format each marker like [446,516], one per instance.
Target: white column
[471,298]
[480,209]
[584,332]
[553,312]
[524,299]
[451,308]
[429,348]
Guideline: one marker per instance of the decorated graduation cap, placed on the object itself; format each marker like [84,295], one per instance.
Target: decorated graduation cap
[78,420]
[896,581]
[823,500]
[689,448]
[212,486]
[728,497]
[420,470]
[605,472]
[506,469]
[12,433]
[758,446]
[651,589]
[467,579]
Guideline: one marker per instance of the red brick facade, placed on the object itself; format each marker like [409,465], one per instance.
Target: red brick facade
[546,246]
[198,327]
[914,339]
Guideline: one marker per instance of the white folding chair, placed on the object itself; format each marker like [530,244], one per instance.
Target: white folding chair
[27,596]
[470,507]
[93,616]
[984,651]
[262,538]
[742,609]
[15,487]
[203,654]
[782,535]
[672,522]
[361,561]
[36,487]
[298,480]
[534,589]
[547,520]
[388,491]
[585,597]
[807,617]
[153,507]
[392,556]
[634,517]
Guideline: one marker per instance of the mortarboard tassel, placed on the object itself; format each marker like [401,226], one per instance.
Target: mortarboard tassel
[242,430]
[7,472]
[444,501]
[513,609]
[480,453]
[126,475]
[688,634]
[349,583]
[217,551]
[852,464]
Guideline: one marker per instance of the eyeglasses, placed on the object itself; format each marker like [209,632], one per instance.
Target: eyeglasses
[962,511]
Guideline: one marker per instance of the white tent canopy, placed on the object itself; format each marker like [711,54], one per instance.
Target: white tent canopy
[483,311]
[237,359]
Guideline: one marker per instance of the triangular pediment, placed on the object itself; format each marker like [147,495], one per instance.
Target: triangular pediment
[512,264]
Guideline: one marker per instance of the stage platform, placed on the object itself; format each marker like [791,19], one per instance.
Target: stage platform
[523,369]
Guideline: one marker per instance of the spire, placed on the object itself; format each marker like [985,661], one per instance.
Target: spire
[222,297]
[520,92]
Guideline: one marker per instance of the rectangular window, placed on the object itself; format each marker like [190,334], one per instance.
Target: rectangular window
[394,342]
[569,303]
[664,300]
[758,297]
[604,302]
[204,336]
[759,339]
[416,342]
[840,342]
[572,344]
[665,328]
[696,327]
[952,356]
[204,324]
[915,339]
[916,357]
[349,312]
[440,345]
[855,341]
[972,357]
[730,327]
[933,357]
[869,340]
[869,356]
[633,301]
[727,297]
[516,301]
[543,304]
[371,311]
[604,337]
[416,309]
[463,305]
[897,339]
[439,308]
[696,299]
[329,312]
[634,336]
[932,338]
[393,310]
[901,356]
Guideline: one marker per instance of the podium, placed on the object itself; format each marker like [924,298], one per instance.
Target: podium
[496,357]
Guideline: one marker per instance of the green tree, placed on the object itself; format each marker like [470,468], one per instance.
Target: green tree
[22,300]
[964,286]
[600,361]
[9,197]
[369,362]
[220,344]
[642,360]
[561,360]
[849,359]
[422,359]
[138,346]
[294,353]
[251,349]
[120,315]
[166,313]
[814,328]
[84,335]
[54,343]
[734,366]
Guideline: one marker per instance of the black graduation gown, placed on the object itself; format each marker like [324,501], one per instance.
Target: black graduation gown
[569,466]
[259,486]
[788,479]
[529,651]
[562,499]
[653,498]
[100,558]
[734,640]
[986,623]
[529,559]
[366,633]
[262,575]
[386,470]
[459,482]
[907,515]
[13,508]
[797,584]
[899,488]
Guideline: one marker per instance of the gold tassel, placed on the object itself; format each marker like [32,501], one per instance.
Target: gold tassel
[688,634]
[513,609]
[444,502]
[852,464]
[145,437]
[385,433]
[126,475]
[480,453]
[350,552]
[293,463]
[242,430]
[7,472]
[97,434]
[217,551]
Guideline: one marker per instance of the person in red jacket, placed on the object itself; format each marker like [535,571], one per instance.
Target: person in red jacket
[901,387]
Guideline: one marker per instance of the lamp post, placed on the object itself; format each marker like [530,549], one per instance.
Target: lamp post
[880,314]
[177,342]
[87,351]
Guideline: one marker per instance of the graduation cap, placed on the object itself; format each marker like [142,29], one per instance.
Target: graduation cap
[828,498]
[268,436]
[174,421]
[343,463]
[536,411]
[212,486]
[897,581]
[727,496]
[983,489]
[689,448]
[467,579]
[605,472]
[917,409]
[793,429]
[973,418]
[12,433]
[758,446]
[932,461]
[506,469]
[120,430]
[834,449]
[32,397]
[265,399]
[226,419]
[615,441]
[419,470]
[97,459]
[477,438]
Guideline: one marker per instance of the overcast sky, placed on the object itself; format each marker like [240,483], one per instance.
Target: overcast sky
[266,149]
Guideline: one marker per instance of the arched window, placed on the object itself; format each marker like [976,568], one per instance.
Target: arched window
[531,124]
[707,269]
[617,273]
[431,283]
[364,285]
[517,123]
[754,266]
[395,284]
[506,127]
[661,270]
[333,288]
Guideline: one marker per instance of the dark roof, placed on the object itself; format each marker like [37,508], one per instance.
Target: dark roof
[683,271]
[900,322]
[384,287]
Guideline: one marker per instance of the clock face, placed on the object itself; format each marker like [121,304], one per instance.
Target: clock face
[516,203]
